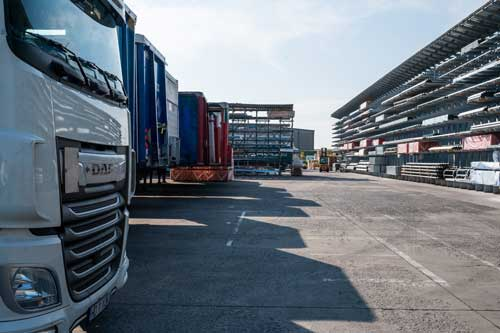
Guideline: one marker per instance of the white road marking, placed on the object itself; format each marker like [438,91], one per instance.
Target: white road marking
[470,255]
[236,228]
[414,263]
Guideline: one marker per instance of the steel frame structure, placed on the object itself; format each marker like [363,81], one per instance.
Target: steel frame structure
[446,91]
[258,134]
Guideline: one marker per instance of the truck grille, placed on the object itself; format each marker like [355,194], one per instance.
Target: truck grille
[93,232]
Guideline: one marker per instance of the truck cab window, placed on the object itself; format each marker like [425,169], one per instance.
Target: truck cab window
[77,32]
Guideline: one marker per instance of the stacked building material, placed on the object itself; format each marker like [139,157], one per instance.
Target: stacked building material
[365,143]
[388,151]
[480,142]
[420,147]
[450,148]
[362,166]
[351,166]
[485,173]
[446,91]
[393,170]
[483,97]
[379,150]
[376,165]
[352,145]
[403,148]
[424,170]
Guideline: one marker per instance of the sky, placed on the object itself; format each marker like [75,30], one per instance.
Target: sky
[315,54]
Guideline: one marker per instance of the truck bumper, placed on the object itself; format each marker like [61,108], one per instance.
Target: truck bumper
[17,247]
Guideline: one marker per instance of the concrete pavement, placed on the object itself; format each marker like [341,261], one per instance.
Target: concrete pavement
[321,253]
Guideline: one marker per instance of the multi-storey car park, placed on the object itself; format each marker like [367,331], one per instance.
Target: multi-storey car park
[435,116]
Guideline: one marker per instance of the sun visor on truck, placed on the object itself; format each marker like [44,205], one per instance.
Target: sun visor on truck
[118,6]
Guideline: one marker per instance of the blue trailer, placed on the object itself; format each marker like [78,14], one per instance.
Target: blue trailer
[150,110]
[127,53]
[193,127]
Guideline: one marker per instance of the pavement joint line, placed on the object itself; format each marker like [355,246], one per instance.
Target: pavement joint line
[470,255]
[304,253]
[413,262]
[445,287]
[459,299]
[302,307]
[401,254]
[425,283]
[229,243]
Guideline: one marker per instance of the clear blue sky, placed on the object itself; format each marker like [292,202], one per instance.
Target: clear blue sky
[316,54]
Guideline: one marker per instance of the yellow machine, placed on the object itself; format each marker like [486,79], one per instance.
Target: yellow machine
[324,161]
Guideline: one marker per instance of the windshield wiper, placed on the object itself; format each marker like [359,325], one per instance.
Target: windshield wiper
[100,87]
[115,94]
[118,94]
[62,68]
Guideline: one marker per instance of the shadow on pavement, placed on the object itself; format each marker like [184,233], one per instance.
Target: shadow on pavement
[210,258]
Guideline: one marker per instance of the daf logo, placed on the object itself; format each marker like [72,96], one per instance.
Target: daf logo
[99,169]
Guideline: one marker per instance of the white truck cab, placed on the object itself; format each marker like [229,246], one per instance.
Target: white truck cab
[65,164]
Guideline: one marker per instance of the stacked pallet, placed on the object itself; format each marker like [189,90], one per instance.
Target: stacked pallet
[424,170]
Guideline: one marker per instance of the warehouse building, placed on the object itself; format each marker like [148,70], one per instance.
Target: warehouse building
[435,115]
[303,139]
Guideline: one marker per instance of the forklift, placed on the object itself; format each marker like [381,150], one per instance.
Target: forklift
[324,160]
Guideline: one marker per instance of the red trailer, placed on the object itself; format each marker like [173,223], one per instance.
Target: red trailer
[214,160]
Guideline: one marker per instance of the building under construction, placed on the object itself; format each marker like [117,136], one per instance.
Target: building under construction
[437,114]
[261,135]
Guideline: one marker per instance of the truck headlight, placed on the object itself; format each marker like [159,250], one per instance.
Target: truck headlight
[34,288]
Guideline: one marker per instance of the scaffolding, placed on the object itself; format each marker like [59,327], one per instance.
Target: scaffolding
[261,135]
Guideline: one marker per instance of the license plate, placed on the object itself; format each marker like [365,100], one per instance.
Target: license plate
[96,309]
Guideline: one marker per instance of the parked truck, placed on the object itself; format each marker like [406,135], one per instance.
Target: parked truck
[65,162]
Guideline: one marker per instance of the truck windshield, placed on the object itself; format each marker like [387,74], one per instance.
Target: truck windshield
[86,28]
